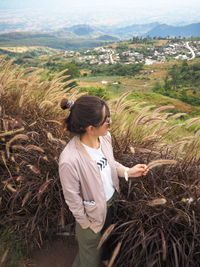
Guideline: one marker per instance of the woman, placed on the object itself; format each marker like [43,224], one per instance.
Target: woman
[89,174]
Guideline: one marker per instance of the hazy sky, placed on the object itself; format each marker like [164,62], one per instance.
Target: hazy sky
[113,11]
[169,4]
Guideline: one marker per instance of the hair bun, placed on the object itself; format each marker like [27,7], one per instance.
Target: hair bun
[66,103]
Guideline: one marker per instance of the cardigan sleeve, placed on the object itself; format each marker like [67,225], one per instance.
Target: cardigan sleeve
[71,190]
[120,169]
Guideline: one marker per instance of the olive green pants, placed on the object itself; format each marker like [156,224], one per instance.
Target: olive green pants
[88,254]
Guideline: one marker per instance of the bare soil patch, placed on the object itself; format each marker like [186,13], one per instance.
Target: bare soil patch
[57,253]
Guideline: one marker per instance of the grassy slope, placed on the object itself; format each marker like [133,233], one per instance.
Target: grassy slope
[141,86]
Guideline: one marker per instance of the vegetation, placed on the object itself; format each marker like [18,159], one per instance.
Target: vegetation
[117,69]
[96,91]
[182,82]
[158,217]
[71,68]
[141,40]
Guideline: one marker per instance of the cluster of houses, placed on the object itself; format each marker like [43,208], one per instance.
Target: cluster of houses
[107,55]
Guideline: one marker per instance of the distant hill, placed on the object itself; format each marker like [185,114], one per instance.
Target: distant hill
[107,38]
[132,30]
[23,35]
[85,30]
[164,30]
[49,40]
[81,30]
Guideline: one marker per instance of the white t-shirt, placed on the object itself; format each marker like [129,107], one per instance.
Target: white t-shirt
[104,168]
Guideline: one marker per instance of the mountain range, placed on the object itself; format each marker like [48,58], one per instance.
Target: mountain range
[117,32]
[85,36]
[109,33]
[143,30]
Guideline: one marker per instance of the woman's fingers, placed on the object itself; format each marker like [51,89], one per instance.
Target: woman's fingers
[144,169]
[138,170]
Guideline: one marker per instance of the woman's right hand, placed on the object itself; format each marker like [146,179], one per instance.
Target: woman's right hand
[138,170]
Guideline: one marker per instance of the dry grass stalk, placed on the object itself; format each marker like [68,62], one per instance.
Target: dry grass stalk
[16,137]
[23,72]
[151,137]
[44,186]
[53,139]
[162,108]
[145,150]
[55,121]
[197,134]
[46,103]
[21,101]
[178,115]
[167,115]
[154,119]
[139,104]
[25,199]
[179,143]
[4,256]
[105,235]
[34,169]
[123,106]
[36,148]
[120,100]
[189,122]
[142,114]
[4,162]
[11,132]
[33,123]
[114,255]
[160,162]
[157,201]
[132,149]
[18,147]
[188,138]
[164,246]
[11,188]
[166,130]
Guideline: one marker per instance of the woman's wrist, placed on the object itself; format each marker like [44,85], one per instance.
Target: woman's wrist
[126,175]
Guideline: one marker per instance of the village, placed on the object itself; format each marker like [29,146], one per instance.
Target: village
[171,51]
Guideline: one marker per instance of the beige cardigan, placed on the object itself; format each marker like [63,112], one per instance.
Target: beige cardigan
[82,184]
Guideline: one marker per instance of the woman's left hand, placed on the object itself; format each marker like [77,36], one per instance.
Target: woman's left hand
[138,170]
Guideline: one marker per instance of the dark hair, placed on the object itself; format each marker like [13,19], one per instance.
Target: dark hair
[85,111]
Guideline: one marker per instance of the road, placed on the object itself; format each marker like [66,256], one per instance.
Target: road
[191,50]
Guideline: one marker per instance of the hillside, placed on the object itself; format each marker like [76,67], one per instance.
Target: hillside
[48,40]
[164,30]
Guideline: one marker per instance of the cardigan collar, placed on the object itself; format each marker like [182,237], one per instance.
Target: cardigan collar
[81,148]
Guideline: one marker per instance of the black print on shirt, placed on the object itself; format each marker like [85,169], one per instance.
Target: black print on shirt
[102,163]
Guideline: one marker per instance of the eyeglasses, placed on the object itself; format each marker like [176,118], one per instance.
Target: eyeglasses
[107,121]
